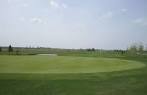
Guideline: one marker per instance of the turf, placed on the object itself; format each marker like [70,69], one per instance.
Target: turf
[63,64]
[123,82]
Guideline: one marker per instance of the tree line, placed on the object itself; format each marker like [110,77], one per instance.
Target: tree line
[132,49]
[10,49]
[136,48]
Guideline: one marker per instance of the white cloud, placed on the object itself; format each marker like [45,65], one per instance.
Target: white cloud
[124,10]
[64,5]
[18,3]
[9,1]
[25,5]
[140,21]
[55,4]
[106,16]
[36,20]
[22,19]
[12,1]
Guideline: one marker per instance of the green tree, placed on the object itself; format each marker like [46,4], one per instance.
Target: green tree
[10,48]
[0,49]
[93,49]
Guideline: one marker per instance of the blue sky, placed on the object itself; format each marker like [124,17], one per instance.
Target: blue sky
[103,24]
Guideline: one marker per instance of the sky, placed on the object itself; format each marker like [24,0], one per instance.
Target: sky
[102,24]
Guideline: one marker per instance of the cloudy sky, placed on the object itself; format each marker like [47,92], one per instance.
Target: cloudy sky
[107,24]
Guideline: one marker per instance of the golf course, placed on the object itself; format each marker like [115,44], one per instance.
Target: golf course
[73,47]
[72,75]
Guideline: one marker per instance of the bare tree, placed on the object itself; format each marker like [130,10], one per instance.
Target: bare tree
[140,48]
[133,49]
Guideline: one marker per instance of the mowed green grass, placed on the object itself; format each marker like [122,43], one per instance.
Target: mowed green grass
[63,64]
[30,75]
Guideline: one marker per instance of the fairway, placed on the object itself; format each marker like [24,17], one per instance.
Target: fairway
[64,64]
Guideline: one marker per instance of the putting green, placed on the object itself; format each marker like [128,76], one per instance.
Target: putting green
[63,64]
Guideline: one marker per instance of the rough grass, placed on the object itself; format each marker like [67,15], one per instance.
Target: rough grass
[127,82]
